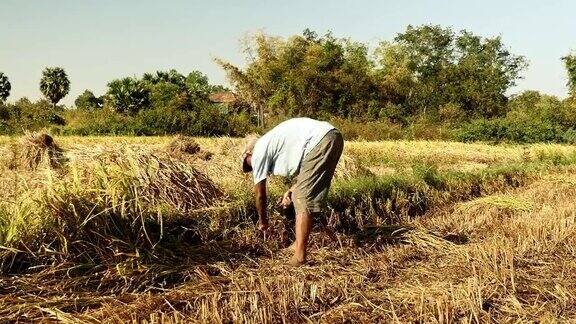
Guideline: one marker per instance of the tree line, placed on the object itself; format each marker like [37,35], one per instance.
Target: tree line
[159,103]
[428,76]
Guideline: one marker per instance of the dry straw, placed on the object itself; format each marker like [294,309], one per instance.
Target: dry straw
[182,145]
[507,257]
[128,173]
[36,149]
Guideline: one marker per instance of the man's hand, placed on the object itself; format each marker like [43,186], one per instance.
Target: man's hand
[287,199]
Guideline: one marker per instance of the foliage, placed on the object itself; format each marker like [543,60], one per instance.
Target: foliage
[170,96]
[97,122]
[428,67]
[428,82]
[127,95]
[570,63]
[304,75]
[199,88]
[421,70]
[510,130]
[532,105]
[87,100]
[368,130]
[207,121]
[5,87]
[171,76]
[54,84]
[26,115]
[451,113]
[159,90]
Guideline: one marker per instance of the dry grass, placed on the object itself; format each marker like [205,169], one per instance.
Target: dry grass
[483,249]
[182,146]
[34,150]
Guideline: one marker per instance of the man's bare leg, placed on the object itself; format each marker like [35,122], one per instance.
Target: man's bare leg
[303,228]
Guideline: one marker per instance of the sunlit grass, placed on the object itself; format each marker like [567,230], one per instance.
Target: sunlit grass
[451,232]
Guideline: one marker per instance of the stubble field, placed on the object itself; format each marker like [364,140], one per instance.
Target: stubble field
[158,229]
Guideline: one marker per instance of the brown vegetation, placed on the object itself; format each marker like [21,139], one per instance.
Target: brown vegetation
[35,149]
[423,244]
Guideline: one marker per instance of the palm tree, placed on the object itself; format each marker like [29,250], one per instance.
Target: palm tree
[5,87]
[127,95]
[54,84]
[171,76]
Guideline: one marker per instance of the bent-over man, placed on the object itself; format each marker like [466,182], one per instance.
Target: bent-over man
[307,148]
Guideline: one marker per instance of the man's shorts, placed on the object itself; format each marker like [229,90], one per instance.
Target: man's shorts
[316,173]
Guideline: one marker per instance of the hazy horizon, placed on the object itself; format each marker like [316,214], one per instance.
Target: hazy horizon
[98,41]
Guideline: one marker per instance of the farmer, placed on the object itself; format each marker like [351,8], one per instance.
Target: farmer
[307,148]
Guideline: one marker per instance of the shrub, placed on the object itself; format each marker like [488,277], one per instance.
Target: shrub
[26,115]
[509,130]
[368,130]
[98,122]
[160,121]
[169,96]
[452,113]
[87,100]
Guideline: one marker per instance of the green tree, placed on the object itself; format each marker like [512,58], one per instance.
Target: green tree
[24,114]
[395,80]
[199,87]
[127,95]
[428,67]
[87,101]
[174,90]
[171,76]
[54,84]
[5,87]
[484,71]
[166,95]
[304,75]
[570,64]
[420,71]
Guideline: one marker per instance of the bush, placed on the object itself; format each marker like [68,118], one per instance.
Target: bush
[509,130]
[87,100]
[367,130]
[569,136]
[97,122]
[452,113]
[26,115]
[208,121]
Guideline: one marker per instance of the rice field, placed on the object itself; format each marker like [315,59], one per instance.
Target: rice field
[161,230]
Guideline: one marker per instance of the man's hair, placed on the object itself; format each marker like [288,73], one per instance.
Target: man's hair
[249,143]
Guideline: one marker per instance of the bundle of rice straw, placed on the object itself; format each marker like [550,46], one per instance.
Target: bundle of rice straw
[35,149]
[180,145]
[131,173]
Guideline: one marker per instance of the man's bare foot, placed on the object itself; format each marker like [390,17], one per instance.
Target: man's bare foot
[296,262]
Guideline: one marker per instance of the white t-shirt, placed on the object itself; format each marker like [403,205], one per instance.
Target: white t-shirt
[281,150]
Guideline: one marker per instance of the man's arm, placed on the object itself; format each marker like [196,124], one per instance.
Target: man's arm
[261,204]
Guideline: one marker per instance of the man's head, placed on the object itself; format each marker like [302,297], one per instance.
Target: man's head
[246,157]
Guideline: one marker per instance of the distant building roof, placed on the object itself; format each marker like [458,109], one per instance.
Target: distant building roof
[222,97]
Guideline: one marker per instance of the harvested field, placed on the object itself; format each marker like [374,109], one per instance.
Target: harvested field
[142,230]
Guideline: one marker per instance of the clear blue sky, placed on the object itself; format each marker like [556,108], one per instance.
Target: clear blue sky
[97,41]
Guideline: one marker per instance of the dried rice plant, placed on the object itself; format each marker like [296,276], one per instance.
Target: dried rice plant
[349,167]
[36,149]
[185,145]
[131,174]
